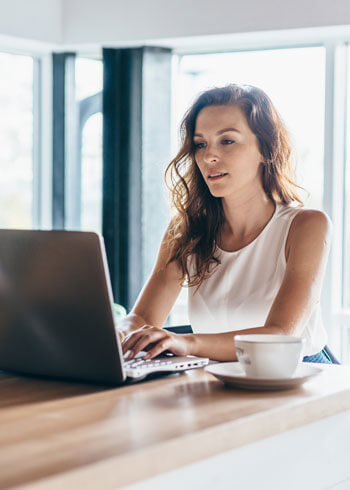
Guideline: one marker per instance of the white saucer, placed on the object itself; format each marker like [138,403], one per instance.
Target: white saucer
[232,374]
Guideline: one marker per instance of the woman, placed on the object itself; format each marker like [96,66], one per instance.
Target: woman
[253,261]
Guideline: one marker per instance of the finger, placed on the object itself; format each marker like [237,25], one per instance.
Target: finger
[159,348]
[121,335]
[133,337]
[146,340]
[130,340]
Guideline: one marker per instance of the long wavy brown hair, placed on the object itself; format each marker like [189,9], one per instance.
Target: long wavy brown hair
[195,227]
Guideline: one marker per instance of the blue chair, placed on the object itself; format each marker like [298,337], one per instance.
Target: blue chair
[180,329]
[331,355]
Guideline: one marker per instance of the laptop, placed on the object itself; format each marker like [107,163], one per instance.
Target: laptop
[56,317]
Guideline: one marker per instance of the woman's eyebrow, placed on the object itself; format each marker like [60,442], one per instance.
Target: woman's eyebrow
[220,131]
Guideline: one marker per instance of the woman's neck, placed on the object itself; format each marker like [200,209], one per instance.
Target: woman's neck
[246,216]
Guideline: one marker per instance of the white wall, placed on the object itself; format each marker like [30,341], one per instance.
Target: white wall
[96,22]
[37,20]
[109,21]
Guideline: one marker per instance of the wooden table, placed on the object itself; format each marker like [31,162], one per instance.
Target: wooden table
[57,435]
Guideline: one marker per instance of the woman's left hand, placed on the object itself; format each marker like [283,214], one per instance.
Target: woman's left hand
[156,340]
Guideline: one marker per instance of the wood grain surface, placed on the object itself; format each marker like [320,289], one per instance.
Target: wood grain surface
[63,435]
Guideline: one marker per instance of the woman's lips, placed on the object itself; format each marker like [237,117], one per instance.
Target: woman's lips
[216,176]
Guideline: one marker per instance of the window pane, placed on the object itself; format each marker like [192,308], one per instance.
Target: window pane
[346,245]
[88,82]
[294,79]
[16,141]
[296,87]
[88,77]
[91,175]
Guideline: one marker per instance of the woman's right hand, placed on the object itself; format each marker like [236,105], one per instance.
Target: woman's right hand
[130,323]
[155,341]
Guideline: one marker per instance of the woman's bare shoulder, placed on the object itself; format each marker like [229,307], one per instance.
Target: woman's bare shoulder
[311,220]
[308,227]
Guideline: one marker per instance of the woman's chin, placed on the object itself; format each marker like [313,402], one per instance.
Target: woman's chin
[218,193]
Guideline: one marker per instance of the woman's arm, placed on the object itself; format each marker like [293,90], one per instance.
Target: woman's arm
[307,250]
[157,297]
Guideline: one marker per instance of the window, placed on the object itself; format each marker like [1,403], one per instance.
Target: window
[346,242]
[91,174]
[88,77]
[297,89]
[16,141]
[89,73]
[342,318]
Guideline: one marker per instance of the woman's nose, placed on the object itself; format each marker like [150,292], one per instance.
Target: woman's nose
[210,155]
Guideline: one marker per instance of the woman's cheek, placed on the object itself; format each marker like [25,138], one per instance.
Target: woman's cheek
[200,166]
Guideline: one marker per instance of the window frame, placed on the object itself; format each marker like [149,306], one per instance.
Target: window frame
[42,142]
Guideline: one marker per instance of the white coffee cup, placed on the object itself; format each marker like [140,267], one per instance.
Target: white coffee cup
[269,356]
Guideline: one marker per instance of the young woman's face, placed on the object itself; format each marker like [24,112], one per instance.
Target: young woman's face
[227,152]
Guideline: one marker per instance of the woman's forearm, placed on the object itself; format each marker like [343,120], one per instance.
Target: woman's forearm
[220,346]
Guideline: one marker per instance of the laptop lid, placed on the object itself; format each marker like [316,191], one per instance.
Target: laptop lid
[56,314]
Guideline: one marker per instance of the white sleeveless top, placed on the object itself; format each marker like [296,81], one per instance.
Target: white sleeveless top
[241,290]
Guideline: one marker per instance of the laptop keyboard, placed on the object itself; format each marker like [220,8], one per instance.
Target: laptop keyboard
[149,363]
[138,367]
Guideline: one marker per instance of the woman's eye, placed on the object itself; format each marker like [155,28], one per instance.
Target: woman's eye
[202,145]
